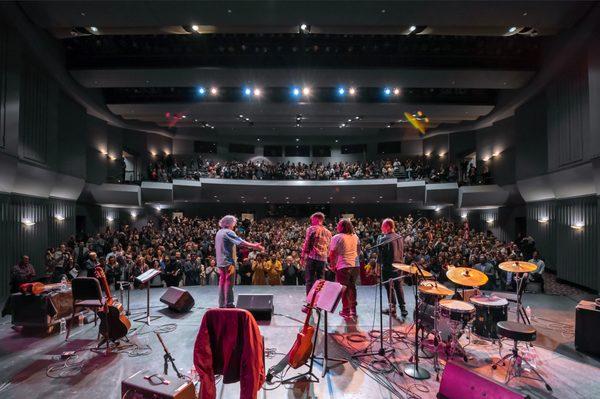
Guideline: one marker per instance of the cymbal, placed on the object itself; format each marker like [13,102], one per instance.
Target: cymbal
[517,266]
[432,288]
[410,269]
[467,276]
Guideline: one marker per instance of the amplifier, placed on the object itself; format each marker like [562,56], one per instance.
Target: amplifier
[261,306]
[178,300]
[146,385]
[587,325]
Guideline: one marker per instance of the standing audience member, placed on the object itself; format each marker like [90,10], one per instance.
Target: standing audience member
[21,273]
[274,270]
[290,271]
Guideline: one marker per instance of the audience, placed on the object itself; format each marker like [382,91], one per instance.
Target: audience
[420,168]
[182,249]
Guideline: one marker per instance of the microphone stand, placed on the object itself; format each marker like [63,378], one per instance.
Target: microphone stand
[168,358]
[413,370]
[382,349]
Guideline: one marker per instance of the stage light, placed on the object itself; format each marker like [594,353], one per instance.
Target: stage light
[295,91]
[387,91]
[412,28]
[341,91]
[257,92]
[578,226]
[543,220]
[512,29]
[201,90]
[306,91]
[214,91]
[59,217]
[352,91]
[94,29]
[247,91]
[396,91]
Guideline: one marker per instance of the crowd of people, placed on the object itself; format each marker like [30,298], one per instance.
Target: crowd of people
[183,250]
[420,168]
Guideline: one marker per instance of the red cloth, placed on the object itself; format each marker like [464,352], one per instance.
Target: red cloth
[229,344]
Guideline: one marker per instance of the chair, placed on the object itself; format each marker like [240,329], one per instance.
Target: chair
[86,294]
[517,332]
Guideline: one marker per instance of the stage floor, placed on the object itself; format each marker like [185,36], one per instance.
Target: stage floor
[24,359]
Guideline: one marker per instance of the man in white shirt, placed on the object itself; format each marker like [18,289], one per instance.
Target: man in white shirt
[536,276]
[343,259]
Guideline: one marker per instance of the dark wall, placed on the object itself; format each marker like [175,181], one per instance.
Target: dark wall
[531,157]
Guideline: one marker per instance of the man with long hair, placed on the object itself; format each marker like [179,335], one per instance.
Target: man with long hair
[392,252]
[343,259]
[225,247]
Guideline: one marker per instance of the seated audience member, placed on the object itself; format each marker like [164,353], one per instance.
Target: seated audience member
[537,275]
[89,266]
[21,273]
[485,267]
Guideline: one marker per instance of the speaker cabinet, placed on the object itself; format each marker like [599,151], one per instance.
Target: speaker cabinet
[261,306]
[178,300]
[587,325]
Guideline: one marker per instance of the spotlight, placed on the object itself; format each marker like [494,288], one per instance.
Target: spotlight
[201,90]
[257,92]
[512,29]
[304,28]
[396,91]
[306,91]
[214,91]
[352,91]
[341,91]
[195,28]
[295,91]
[387,91]
[247,91]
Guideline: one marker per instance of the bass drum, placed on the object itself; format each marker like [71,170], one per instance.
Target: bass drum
[444,325]
[489,310]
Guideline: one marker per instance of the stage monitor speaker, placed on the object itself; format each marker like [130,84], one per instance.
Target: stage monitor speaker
[146,385]
[587,325]
[261,306]
[458,382]
[178,300]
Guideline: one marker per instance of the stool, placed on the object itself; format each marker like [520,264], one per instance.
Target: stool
[517,332]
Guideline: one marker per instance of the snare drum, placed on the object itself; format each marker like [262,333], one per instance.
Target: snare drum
[457,311]
[488,312]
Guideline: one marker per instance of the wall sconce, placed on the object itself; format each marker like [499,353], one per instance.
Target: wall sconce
[578,226]
[167,152]
[133,215]
[28,222]
[109,219]
[437,209]
[112,158]
[158,208]
[442,154]
[490,221]
[496,154]
[543,220]
[486,159]
[60,218]
[103,152]
[428,154]
[463,216]
[153,153]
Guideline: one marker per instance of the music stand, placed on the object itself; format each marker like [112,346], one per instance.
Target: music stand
[145,278]
[327,301]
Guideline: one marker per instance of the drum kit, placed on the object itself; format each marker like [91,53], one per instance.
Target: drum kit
[446,320]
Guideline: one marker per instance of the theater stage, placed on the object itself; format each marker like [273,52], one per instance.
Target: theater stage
[24,359]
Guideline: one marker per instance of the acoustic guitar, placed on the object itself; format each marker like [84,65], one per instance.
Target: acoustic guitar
[303,345]
[40,288]
[113,319]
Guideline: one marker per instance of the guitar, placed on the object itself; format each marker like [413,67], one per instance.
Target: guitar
[303,345]
[39,288]
[113,319]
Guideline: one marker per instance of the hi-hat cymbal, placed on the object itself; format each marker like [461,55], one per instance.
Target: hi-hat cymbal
[433,288]
[467,276]
[517,266]
[410,269]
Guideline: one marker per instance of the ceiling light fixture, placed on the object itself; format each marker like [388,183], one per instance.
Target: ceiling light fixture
[257,92]
[412,28]
[352,91]
[214,91]
[306,91]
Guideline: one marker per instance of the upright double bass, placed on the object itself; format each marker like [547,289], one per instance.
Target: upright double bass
[114,324]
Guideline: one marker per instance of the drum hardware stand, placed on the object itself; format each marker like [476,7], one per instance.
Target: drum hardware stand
[515,367]
[413,370]
[521,314]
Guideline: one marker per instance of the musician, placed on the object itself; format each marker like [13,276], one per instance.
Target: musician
[21,273]
[314,251]
[225,247]
[393,252]
[343,259]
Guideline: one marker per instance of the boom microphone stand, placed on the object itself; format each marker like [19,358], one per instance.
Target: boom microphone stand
[382,349]
[168,358]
